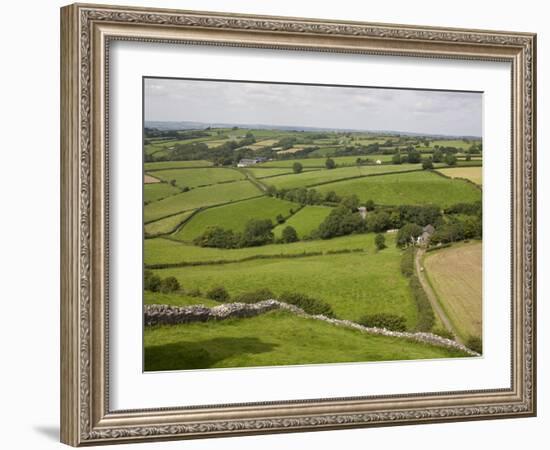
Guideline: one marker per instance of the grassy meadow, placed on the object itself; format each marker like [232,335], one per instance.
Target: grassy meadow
[216,219]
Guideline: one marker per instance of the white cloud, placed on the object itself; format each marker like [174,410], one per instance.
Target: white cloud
[436,112]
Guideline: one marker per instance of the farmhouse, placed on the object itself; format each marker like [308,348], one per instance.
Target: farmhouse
[362,212]
[424,238]
[250,162]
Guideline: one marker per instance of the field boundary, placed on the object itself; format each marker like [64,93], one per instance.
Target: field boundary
[216,262]
[174,315]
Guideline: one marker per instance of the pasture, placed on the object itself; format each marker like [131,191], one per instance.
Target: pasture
[166,225]
[234,216]
[200,197]
[169,251]
[304,221]
[316,177]
[152,166]
[197,177]
[474,174]
[275,338]
[354,284]
[414,188]
[156,191]
[455,274]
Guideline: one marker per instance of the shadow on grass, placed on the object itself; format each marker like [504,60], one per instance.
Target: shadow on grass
[201,355]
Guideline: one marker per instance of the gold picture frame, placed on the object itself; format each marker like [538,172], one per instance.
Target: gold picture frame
[86,33]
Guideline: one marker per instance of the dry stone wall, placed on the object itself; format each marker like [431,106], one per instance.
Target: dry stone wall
[173,315]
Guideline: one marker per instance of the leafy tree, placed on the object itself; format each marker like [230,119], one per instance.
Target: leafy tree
[297,167]
[380,241]
[351,202]
[468,157]
[437,156]
[332,197]
[280,218]
[396,159]
[289,234]
[217,237]
[218,293]
[151,282]
[413,157]
[330,164]
[257,232]
[370,205]
[408,232]
[378,221]
[450,159]
[340,222]
[427,164]
[169,284]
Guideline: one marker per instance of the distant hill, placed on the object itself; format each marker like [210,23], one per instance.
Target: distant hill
[188,125]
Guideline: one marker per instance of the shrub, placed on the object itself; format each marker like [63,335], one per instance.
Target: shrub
[297,167]
[169,284]
[427,164]
[370,205]
[330,164]
[289,234]
[388,321]
[151,282]
[380,241]
[474,343]
[280,218]
[308,304]
[254,296]
[426,317]
[444,333]
[218,294]
[407,262]
[195,292]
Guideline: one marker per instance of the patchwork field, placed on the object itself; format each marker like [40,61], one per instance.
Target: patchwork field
[168,251]
[456,275]
[200,197]
[198,177]
[413,188]
[274,337]
[235,216]
[331,278]
[156,191]
[356,270]
[324,176]
[167,225]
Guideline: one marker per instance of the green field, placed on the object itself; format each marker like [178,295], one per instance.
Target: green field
[305,221]
[320,162]
[413,188]
[235,216]
[200,197]
[331,278]
[175,299]
[350,273]
[169,251]
[167,225]
[275,338]
[198,177]
[156,191]
[323,176]
[151,166]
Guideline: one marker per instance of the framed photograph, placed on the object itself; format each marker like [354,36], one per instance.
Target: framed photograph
[276,224]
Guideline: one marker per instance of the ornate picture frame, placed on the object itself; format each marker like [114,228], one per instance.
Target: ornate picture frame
[87,32]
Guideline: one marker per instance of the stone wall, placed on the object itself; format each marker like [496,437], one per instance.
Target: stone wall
[172,315]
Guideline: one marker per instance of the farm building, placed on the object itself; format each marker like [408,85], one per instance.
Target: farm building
[250,162]
[424,238]
[362,212]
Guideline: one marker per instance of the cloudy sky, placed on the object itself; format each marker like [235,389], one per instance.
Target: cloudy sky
[430,112]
